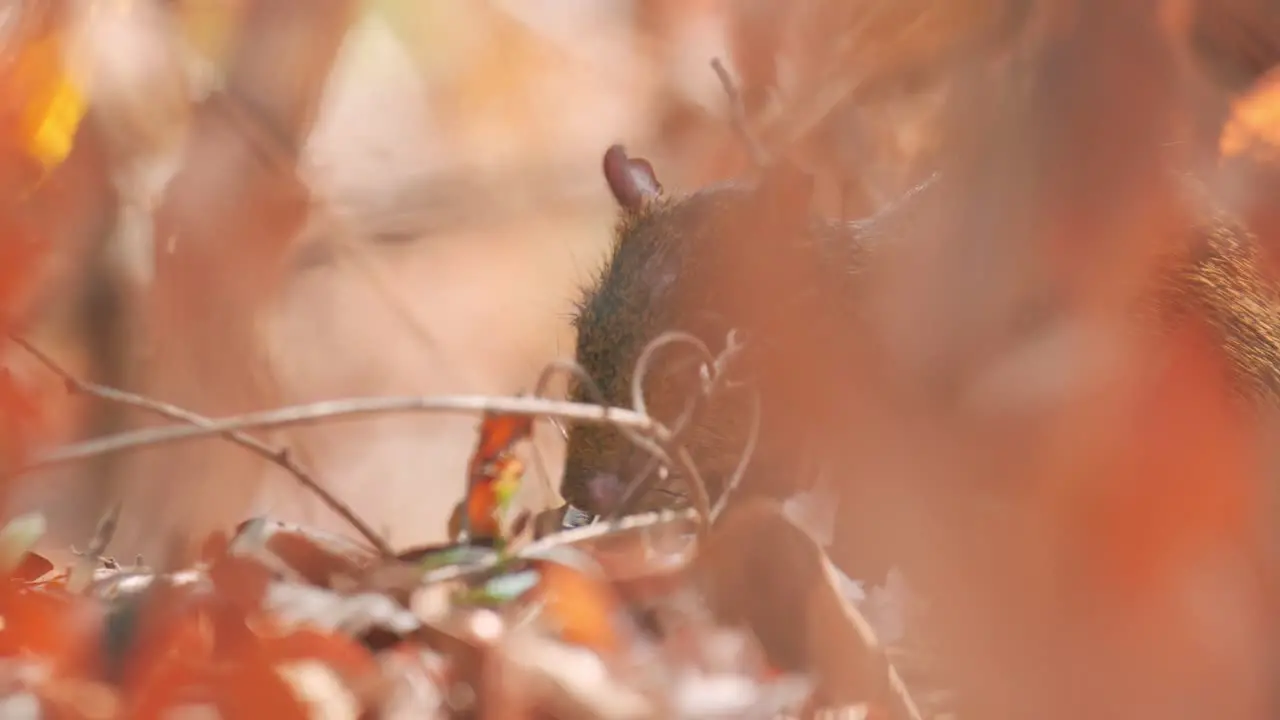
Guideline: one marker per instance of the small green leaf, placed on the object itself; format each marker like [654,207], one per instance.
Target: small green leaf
[502,588]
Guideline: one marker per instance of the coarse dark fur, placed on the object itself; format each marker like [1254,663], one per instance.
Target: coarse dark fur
[745,256]
[749,256]
[1225,283]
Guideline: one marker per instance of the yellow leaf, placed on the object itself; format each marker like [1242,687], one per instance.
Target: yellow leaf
[48,104]
[1255,121]
[508,482]
[207,25]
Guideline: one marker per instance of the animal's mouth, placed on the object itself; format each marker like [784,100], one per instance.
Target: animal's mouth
[607,493]
[604,490]
[575,517]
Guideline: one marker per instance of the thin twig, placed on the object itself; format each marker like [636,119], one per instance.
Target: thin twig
[351,408]
[588,386]
[562,367]
[716,366]
[567,537]
[638,485]
[748,452]
[899,703]
[671,337]
[81,575]
[738,115]
[277,456]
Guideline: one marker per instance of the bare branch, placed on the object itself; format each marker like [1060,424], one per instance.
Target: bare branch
[277,456]
[738,115]
[351,408]
[81,575]
[569,537]
[716,366]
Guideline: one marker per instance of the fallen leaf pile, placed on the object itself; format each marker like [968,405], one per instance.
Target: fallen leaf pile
[280,621]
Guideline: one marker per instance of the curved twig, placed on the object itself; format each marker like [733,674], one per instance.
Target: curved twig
[576,371]
[693,478]
[748,452]
[671,337]
[716,366]
[560,366]
[639,485]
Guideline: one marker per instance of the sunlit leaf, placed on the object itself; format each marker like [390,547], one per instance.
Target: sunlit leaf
[585,609]
[207,24]
[493,476]
[254,689]
[55,626]
[1254,125]
[498,433]
[42,103]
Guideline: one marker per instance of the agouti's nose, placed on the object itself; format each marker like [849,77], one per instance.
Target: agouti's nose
[604,490]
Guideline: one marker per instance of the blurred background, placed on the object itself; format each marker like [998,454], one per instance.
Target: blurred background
[455,210]
[252,204]
[448,156]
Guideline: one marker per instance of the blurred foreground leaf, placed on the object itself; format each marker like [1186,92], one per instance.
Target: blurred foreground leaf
[42,107]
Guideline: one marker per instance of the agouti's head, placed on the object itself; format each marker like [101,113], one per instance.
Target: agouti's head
[675,265]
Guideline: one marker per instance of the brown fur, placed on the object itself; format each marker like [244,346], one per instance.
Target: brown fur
[1227,285]
[743,256]
[804,624]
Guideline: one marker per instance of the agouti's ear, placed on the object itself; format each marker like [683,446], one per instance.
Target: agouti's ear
[631,180]
[785,192]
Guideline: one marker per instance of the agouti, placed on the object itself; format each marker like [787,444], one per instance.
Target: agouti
[749,256]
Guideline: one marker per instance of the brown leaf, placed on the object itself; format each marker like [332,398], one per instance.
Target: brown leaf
[760,569]
[498,434]
[32,567]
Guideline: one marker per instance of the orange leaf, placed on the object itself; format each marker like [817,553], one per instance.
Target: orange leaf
[349,658]
[584,609]
[173,653]
[53,625]
[20,251]
[1254,124]
[19,421]
[251,688]
[498,433]
[482,510]
[1178,482]
[41,106]
[240,582]
[32,567]
[492,474]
